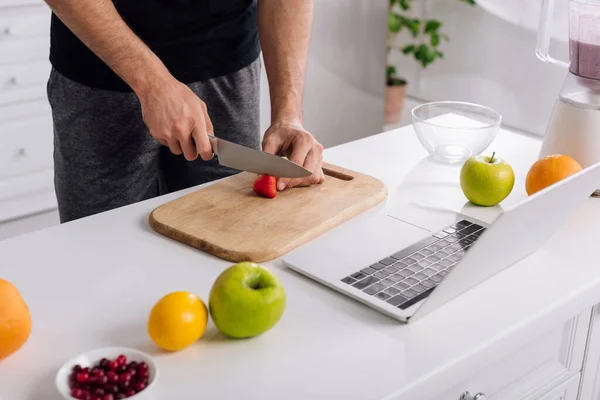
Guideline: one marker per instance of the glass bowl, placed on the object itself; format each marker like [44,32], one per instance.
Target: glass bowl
[453,131]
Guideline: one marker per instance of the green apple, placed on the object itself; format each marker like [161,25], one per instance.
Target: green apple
[486,181]
[246,300]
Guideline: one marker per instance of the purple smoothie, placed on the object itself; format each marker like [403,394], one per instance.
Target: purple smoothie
[585,59]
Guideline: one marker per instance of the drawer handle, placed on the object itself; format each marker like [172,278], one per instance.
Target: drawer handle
[469,396]
[21,152]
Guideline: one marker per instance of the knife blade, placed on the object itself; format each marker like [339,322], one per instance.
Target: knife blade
[244,158]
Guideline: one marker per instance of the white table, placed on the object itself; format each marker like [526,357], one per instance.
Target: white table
[91,283]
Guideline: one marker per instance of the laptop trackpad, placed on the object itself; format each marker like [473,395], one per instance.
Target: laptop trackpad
[423,215]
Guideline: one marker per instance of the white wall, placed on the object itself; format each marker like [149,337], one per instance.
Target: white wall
[488,61]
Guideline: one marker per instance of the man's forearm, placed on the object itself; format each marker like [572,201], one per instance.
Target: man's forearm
[100,27]
[284,28]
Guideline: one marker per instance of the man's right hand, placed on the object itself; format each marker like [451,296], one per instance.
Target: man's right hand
[177,118]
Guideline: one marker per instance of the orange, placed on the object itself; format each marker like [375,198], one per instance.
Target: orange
[15,320]
[550,170]
[177,320]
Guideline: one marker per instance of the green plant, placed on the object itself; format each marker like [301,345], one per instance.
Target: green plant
[427,35]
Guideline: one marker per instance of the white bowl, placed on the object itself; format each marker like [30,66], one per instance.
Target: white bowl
[90,358]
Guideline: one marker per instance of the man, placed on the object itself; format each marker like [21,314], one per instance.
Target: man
[137,86]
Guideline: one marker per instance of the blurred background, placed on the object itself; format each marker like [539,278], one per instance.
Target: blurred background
[370,62]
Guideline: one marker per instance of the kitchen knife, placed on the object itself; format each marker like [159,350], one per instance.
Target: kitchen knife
[243,158]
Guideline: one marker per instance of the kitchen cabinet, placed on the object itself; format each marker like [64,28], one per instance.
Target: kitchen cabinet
[26,172]
[533,371]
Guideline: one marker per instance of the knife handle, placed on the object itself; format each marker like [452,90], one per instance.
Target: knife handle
[213,144]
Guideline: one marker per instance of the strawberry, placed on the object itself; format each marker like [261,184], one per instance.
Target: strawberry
[266,186]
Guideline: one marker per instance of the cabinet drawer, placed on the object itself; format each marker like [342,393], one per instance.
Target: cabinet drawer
[532,370]
[19,51]
[24,22]
[26,195]
[24,110]
[565,391]
[22,82]
[25,147]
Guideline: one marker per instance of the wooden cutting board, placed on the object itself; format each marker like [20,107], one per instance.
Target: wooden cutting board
[228,220]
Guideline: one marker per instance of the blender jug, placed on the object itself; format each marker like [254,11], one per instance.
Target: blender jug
[574,126]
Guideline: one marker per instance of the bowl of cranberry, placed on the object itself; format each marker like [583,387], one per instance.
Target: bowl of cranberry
[112,373]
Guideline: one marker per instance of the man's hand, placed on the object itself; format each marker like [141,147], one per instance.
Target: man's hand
[177,118]
[299,146]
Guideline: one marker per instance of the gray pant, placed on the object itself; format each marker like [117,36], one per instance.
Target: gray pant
[105,157]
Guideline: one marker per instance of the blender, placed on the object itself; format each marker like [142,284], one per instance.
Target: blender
[574,126]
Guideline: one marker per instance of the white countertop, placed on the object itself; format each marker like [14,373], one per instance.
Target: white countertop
[91,283]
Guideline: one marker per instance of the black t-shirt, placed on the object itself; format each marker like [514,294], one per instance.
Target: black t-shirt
[195,39]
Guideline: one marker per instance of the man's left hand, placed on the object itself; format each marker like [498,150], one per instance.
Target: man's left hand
[299,146]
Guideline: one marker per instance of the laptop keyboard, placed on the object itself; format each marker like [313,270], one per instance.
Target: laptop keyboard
[410,275]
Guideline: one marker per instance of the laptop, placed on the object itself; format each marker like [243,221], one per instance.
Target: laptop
[411,259]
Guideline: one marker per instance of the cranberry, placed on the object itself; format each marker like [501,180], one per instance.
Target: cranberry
[77,393]
[77,368]
[99,392]
[97,372]
[86,370]
[103,363]
[121,360]
[84,394]
[112,376]
[108,397]
[95,398]
[92,380]
[133,365]
[122,368]
[120,396]
[124,377]
[113,365]
[129,392]
[143,365]
[139,386]
[82,377]
[143,373]
[131,371]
